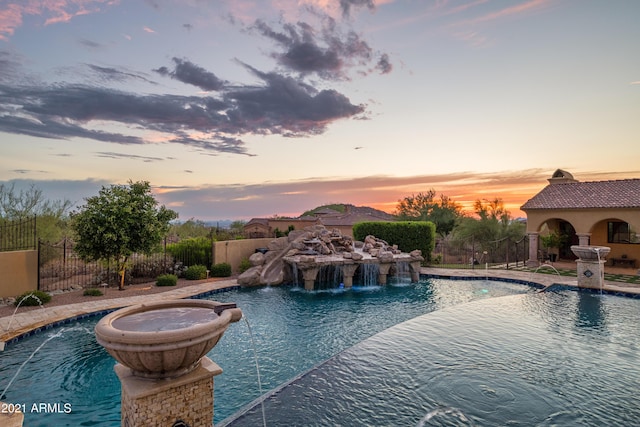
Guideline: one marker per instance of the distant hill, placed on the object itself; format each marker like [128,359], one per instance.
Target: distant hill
[344,207]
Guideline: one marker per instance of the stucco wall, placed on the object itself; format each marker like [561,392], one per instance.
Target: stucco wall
[18,272]
[592,222]
[234,251]
[583,220]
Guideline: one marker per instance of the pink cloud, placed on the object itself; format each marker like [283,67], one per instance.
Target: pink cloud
[51,11]
[518,9]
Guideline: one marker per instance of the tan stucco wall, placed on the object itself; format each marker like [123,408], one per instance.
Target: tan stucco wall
[18,272]
[593,222]
[234,251]
[583,220]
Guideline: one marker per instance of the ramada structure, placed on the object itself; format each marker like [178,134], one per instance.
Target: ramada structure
[605,213]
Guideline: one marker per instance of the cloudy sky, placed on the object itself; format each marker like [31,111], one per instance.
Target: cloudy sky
[248,108]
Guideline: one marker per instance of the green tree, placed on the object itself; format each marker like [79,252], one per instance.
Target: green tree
[443,212]
[191,228]
[493,223]
[51,215]
[119,221]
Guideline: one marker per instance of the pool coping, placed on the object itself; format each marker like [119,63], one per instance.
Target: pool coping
[33,322]
[21,325]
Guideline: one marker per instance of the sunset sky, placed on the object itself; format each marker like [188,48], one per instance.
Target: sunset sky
[234,109]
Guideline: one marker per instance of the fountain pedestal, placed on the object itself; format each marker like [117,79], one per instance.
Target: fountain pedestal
[14,419]
[590,265]
[166,378]
[156,402]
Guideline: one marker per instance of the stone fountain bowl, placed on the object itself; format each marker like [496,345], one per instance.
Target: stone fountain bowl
[590,253]
[165,339]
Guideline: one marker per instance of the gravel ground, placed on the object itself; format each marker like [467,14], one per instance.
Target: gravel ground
[76,296]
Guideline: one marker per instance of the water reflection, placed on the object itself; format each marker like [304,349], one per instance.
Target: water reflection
[590,311]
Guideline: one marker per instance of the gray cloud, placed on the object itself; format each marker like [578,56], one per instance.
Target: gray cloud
[281,105]
[116,75]
[287,106]
[119,156]
[189,73]
[90,44]
[384,65]
[346,5]
[326,52]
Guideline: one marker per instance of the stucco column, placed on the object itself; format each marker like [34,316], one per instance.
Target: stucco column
[383,271]
[348,270]
[583,238]
[533,249]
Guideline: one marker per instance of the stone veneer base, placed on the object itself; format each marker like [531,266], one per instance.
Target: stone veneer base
[14,419]
[164,402]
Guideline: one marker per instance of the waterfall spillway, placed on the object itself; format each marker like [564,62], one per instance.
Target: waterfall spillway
[369,274]
[329,277]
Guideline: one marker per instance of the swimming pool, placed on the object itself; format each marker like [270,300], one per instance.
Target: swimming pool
[294,331]
[554,358]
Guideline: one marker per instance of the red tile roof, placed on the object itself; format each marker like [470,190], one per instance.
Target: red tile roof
[623,193]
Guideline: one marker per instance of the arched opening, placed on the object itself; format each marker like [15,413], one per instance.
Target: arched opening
[556,237]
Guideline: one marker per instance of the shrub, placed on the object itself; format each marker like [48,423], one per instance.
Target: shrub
[408,235]
[147,266]
[33,298]
[167,280]
[192,251]
[221,270]
[92,292]
[245,264]
[196,272]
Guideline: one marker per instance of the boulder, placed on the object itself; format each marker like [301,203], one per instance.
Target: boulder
[256,259]
[251,277]
[385,256]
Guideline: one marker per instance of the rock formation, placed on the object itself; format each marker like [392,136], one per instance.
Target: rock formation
[315,246]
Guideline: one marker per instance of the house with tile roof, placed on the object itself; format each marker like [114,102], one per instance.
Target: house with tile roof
[330,218]
[599,213]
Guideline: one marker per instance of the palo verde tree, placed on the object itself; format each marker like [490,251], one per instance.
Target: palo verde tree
[493,223]
[119,221]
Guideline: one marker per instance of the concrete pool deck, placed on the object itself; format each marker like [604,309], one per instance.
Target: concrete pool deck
[15,326]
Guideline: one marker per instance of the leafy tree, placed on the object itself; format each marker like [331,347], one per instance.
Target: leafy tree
[237,227]
[493,223]
[119,221]
[51,215]
[444,213]
[191,228]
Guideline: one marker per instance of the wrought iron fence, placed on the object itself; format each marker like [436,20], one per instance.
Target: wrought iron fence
[18,235]
[61,268]
[504,253]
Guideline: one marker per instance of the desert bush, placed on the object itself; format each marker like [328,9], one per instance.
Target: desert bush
[92,292]
[193,251]
[147,266]
[196,272]
[167,280]
[221,270]
[33,298]
[245,264]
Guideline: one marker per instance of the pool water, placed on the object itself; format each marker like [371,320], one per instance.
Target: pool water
[550,359]
[431,368]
